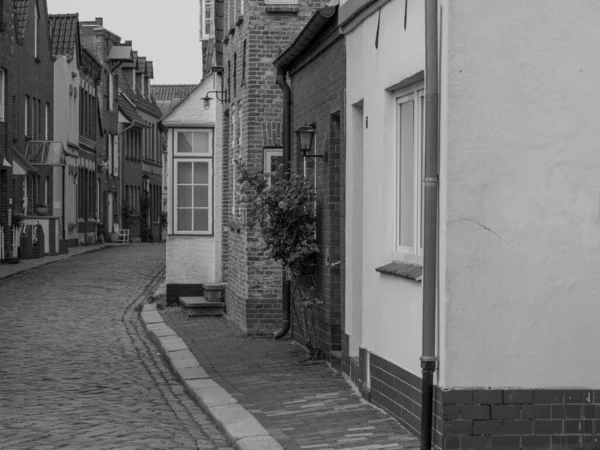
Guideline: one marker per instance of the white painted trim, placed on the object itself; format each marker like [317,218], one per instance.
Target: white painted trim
[193,130]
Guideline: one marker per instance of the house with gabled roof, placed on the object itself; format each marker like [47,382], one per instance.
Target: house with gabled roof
[194,191]
[26,179]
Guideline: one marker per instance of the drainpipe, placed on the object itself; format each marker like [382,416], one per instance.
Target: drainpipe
[430,207]
[284,171]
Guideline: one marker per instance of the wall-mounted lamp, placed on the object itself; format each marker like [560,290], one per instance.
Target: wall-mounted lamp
[208,98]
[306,137]
[146,179]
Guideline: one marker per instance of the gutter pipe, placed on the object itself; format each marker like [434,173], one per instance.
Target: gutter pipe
[430,207]
[284,173]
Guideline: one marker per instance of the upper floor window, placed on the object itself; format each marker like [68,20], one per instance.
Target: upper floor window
[207,19]
[2,94]
[193,143]
[26,119]
[111,91]
[410,108]
[47,124]
[36,26]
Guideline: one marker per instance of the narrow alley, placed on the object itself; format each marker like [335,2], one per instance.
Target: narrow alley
[77,369]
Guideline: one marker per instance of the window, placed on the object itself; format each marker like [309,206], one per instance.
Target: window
[242,7]
[235,74]
[193,143]
[229,79]
[207,18]
[2,94]
[273,158]
[111,91]
[193,196]
[47,120]
[46,199]
[26,120]
[281,2]
[410,109]
[244,63]
[36,20]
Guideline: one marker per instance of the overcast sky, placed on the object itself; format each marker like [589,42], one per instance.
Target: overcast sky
[166,32]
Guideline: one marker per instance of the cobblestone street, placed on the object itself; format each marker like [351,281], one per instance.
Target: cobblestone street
[76,368]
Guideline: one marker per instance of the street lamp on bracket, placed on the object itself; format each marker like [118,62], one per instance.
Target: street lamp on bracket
[306,137]
[223,97]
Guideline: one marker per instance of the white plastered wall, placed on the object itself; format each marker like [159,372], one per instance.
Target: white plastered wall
[391,306]
[523,214]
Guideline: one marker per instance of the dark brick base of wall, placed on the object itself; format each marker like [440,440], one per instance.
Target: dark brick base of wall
[184,290]
[483,418]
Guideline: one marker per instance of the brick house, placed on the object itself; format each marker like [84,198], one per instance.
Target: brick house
[107,50]
[254,33]
[515,278]
[315,63]
[141,145]
[26,99]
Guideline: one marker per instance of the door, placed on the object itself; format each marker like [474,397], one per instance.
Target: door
[109,215]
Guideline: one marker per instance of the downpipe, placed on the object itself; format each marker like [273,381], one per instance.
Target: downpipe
[284,173]
[430,207]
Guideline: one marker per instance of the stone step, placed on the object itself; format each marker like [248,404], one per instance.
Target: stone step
[199,306]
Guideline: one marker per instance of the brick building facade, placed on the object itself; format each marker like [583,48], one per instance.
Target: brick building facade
[26,98]
[254,34]
[316,65]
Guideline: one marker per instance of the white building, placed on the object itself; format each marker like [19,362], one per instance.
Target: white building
[518,277]
[194,187]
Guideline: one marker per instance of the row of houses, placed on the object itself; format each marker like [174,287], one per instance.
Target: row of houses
[81,151]
[457,204]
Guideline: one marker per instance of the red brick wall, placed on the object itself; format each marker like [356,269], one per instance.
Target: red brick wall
[318,87]
[253,282]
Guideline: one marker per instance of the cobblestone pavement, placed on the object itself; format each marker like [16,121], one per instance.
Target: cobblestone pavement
[302,406]
[76,368]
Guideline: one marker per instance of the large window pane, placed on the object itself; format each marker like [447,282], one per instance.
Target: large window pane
[200,196]
[184,142]
[184,220]
[406,159]
[200,219]
[184,173]
[200,173]
[201,143]
[184,196]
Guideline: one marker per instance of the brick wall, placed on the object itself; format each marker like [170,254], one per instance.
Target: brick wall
[24,76]
[318,88]
[253,293]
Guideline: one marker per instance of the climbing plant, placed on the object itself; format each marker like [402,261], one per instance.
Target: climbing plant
[283,211]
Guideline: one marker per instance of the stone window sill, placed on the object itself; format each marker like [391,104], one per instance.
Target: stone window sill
[406,270]
[282,9]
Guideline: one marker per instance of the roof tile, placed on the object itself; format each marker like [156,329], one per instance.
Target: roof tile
[164,92]
[64,34]
[20,11]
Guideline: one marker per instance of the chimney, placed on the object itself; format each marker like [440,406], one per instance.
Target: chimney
[128,43]
[99,21]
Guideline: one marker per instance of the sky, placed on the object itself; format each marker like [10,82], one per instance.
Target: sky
[164,32]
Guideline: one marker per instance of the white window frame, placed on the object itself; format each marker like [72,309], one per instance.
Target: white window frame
[2,94]
[281,2]
[111,91]
[47,118]
[193,130]
[176,162]
[414,93]
[36,20]
[204,35]
[268,154]
[26,121]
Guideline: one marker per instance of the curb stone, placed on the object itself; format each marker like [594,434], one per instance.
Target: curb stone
[241,427]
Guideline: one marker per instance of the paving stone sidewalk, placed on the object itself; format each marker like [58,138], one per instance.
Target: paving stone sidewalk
[7,270]
[302,406]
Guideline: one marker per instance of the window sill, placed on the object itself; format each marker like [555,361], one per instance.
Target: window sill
[283,8]
[410,271]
